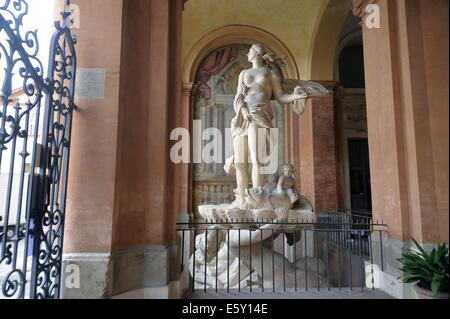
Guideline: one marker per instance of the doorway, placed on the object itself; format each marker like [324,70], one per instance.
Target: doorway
[359,170]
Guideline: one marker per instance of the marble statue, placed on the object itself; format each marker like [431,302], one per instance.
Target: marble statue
[256,87]
[232,253]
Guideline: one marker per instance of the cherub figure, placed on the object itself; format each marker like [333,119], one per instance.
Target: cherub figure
[286,183]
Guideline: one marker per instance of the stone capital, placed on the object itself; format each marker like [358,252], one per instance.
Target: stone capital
[189,89]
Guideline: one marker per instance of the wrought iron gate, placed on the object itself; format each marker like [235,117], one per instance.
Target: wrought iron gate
[35,128]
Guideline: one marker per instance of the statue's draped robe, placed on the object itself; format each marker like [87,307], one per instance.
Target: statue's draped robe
[260,113]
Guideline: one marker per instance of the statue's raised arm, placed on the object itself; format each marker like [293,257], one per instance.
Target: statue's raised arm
[280,96]
[307,89]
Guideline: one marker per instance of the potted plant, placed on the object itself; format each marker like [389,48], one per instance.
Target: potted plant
[428,272]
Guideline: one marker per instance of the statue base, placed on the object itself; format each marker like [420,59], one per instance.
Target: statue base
[220,213]
[245,248]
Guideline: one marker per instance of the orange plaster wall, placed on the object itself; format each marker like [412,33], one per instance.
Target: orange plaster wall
[434,14]
[157,129]
[90,197]
[407,105]
[415,118]
[131,171]
[176,202]
[389,197]
[122,190]
[147,189]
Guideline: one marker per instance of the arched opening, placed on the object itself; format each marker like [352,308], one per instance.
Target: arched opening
[233,34]
[351,119]
[210,76]
[326,35]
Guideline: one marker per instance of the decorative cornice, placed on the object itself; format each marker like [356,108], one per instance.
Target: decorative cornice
[359,7]
[189,89]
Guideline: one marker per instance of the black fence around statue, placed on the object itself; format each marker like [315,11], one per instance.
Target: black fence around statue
[335,251]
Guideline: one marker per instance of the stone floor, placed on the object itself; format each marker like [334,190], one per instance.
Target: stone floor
[333,293]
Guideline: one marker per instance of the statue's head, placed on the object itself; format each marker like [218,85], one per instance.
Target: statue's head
[258,51]
[288,169]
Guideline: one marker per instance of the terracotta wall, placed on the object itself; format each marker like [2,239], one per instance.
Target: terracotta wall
[90,198]
[131,203]
[434,18]
[149,103]
[407,108]
[122,186]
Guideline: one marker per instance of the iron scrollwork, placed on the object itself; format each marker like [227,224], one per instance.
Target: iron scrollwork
[35,129]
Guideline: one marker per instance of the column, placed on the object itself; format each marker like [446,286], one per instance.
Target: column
[93,158]
[407,111]
[208,123]
[148,192]
[186,177]
[291,148]
[221,127]
[407,101]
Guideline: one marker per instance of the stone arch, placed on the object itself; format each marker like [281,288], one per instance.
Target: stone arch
[224,36]
[343,43]
[325,40]
[234,34]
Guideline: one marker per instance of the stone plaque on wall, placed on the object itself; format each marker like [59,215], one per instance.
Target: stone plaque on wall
[90,84]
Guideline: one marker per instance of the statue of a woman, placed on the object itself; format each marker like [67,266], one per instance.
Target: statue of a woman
[257,86]
[230,255]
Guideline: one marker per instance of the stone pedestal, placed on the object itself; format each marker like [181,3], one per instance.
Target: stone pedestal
[241,253]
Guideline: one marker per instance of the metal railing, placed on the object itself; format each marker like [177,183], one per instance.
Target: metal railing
[36,112]
[257,255]
[353,222]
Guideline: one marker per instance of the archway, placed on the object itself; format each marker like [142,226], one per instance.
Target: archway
[326,38]
[314,151]
[351,119]
[239,37]
[237,34]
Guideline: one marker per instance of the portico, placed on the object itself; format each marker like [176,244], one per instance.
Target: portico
[125,196]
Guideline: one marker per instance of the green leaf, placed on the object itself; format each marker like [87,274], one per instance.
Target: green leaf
[430,270]
[436,285]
